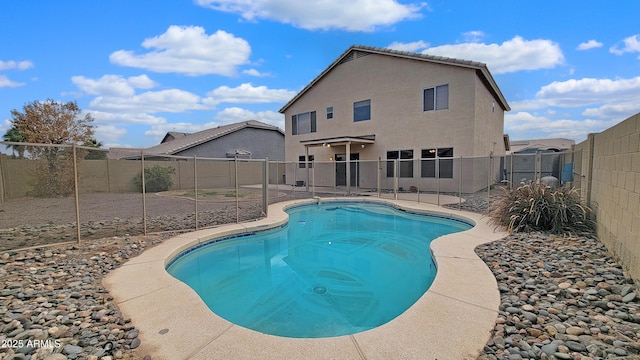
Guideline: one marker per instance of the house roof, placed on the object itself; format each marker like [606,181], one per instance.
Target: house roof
[172,135]
[116,153]
[557,144]
[357,50]
[188,141]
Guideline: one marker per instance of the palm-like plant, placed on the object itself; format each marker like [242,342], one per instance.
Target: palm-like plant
[14,135]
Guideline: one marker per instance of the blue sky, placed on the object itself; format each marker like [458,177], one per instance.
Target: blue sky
[567,68]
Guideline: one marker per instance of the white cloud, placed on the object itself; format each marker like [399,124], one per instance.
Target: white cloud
[608,100]
[587,91]
[254,72]
[160,130]
[630,44]
[513,55]
[11,64]
[109,133]
[189,50]
[524,125]
[355,15]
[4,126]
[110,118]
[411,46]
[473,36]
[113,85]
[618,111]
[172,100]
[236,114]
[5,82]
[591,44]
[248,94]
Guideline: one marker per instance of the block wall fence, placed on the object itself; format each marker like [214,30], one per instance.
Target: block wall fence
[608,173]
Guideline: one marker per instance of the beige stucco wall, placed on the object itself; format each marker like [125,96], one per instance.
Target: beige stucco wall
[610,165]
[473,124]
[116,176]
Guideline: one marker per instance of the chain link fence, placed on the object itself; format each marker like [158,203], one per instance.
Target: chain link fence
[46,190]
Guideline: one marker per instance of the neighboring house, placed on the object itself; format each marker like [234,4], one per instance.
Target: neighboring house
[536,158]
[244,140]
[373,103]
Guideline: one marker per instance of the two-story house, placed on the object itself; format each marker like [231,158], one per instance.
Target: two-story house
[372,106]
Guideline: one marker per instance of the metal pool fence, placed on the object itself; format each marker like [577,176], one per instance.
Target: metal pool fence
[47,190]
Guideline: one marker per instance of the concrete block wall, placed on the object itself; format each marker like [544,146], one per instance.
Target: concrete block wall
[611,186]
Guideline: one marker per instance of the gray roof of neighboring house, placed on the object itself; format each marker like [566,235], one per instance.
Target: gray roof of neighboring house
[115,153]
[557,144]
[190,140]
[174,135]
[481,69]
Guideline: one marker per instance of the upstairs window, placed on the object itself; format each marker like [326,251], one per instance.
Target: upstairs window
[303,123]
[435,98]
[362,110]
[330,112]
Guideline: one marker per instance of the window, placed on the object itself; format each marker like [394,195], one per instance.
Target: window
[435,98]
[304,123]
[405,158]
[440,159]
[330,112]
[302,164]
[362,110]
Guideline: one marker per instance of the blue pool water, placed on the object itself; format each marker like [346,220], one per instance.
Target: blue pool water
[334,269]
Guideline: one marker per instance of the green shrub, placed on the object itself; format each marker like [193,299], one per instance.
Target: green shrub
[156,178]
[538,207]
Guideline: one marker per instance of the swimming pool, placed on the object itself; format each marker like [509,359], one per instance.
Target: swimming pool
[333,269]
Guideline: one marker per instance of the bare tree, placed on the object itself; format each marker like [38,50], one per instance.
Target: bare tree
[58,123]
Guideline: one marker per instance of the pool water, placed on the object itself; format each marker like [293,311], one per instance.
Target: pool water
[334,269]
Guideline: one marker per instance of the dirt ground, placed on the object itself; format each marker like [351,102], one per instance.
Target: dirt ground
[100,206]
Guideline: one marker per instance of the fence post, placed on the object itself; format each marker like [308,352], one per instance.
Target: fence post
[235,160]
[438,180]
[396,166]
[195,187]
[591,146]
[265,186]
[511,173]
[75,186]
[460,185]
[313,177]
[489,177]
[2,180]
[379,171]
[144,200]
[419,167]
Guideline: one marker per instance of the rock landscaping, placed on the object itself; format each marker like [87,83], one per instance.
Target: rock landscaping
[561,298]
[54,306]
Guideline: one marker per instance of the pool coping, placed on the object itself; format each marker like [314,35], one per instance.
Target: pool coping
[464,291]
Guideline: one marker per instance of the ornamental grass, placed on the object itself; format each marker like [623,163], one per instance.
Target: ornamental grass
[538,207]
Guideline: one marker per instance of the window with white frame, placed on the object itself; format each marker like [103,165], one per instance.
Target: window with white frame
[330,112]
[437,161]
[405,160]
[435,98]
[303,123]
[362,110]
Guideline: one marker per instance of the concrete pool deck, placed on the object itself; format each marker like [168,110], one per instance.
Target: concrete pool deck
[452,320]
